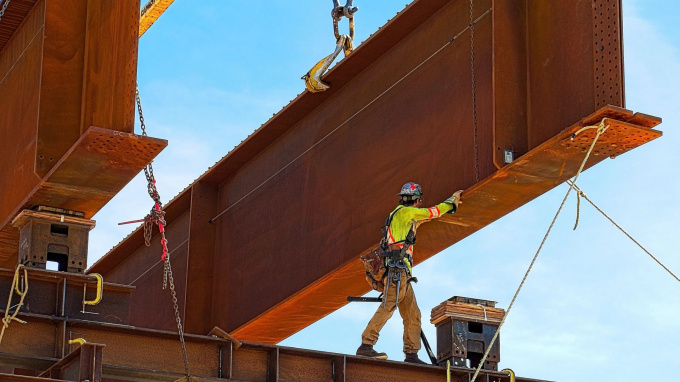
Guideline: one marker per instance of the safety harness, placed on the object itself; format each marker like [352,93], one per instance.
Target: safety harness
[382,263]
[396,256]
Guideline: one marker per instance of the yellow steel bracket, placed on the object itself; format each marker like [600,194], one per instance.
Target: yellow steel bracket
[343,43]
[510,373]
[76,341]
[313,77]
[98,297]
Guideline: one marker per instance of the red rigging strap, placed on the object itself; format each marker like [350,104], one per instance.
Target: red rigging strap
[157,216]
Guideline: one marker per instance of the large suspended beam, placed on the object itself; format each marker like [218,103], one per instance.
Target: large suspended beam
[303,197]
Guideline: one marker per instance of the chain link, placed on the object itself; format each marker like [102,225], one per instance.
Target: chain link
[157,216]
[4,8]
[338,12]
[178,319]
[474,88]
[139,109]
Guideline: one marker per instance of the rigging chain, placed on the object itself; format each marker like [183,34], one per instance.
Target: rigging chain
[601,128]
[157,216]
[4,8]
[474,88]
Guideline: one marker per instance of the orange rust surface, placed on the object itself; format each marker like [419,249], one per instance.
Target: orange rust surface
[62,70]
[398,110]
[531,175]
[99,165]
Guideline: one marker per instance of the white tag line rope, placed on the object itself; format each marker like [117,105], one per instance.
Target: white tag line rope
[601,128]
[583,195]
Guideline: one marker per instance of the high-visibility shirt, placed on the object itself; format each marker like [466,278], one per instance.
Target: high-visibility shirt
[407,217]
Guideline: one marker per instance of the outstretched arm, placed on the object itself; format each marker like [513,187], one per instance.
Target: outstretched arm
[450,206]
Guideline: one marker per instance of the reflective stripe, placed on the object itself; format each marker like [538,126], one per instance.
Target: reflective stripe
[434,212]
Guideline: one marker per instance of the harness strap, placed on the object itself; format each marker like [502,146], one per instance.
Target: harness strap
[408,241]
[400,259]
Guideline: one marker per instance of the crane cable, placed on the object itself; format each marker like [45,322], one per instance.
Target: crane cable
[601,128]
[157,216]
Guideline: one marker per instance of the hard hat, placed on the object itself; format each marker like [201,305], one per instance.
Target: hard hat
[411,189]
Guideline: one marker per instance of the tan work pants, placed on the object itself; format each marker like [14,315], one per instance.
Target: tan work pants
[408,308]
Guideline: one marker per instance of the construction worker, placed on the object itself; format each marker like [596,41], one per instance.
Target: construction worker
[400,229]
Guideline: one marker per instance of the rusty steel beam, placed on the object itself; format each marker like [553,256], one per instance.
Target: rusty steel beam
[117,351]
[68,77]
[25,378]
[15,14]
[134,354]
[277,226]
[82,364]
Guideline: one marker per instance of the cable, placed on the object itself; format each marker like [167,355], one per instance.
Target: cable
[600,129]
[349,119]
[582,194]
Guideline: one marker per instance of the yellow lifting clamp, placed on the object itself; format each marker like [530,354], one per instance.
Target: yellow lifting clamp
[343,43]
[98,297]
[510,373]
[77,341]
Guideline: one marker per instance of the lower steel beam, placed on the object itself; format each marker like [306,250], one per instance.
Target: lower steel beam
[133,354]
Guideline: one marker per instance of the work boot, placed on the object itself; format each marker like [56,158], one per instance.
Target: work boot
[367,351]
[413,358]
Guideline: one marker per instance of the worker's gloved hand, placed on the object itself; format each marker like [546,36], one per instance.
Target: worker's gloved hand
[454,200]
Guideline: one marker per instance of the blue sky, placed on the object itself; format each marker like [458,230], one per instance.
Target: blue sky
[595,306]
